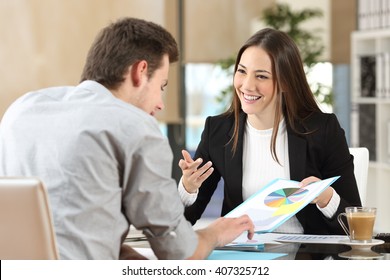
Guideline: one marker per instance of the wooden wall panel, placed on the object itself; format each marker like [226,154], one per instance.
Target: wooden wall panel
[44,42]
[343,22]
[217,30]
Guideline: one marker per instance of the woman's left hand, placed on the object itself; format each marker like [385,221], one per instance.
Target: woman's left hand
[323,199]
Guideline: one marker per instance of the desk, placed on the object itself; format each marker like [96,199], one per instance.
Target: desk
[331,252]
[292,251]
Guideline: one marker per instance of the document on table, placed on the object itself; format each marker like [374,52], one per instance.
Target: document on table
[277,238]
[242,255]
[222,255]
[278,201]
[258,239]
[309,238]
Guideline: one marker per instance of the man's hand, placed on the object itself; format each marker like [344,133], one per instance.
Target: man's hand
[128,253]
[221,232]
[228,229]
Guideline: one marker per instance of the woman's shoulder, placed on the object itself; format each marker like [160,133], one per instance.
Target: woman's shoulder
[224,118]
[319,123]
[317,118]
[219,124]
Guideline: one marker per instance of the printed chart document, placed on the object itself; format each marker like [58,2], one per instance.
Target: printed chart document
[258,239]
[278,201]
[279,238]
[311,238]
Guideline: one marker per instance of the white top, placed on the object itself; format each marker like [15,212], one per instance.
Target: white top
[106,165]
[259,168]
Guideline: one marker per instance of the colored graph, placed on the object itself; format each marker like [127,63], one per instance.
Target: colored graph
[284,197]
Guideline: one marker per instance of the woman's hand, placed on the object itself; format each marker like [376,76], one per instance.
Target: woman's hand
[193,176]
[323,199]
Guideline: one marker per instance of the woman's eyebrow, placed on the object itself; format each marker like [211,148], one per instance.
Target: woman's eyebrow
[259,71]
[263,71]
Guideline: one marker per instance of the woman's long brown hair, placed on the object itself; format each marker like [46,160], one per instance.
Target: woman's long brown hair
[295,100]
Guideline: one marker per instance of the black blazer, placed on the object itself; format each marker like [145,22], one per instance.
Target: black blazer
[322,153]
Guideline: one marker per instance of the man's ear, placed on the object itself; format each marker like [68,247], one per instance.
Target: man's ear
[139,72]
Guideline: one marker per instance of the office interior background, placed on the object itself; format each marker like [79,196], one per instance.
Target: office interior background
[44,43]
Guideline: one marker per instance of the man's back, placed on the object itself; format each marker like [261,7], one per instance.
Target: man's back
[83,143]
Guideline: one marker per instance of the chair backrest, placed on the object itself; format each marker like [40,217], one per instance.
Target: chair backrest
[360,161]
[26,229]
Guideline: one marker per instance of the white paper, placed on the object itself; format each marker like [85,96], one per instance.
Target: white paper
[309,238]
[275,203]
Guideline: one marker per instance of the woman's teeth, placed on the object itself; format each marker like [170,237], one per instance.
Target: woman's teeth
[251,97]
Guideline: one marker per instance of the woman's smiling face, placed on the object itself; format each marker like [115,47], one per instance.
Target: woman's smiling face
[254,84]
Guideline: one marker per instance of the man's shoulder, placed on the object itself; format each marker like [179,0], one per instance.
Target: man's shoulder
[44,93]
[35,98]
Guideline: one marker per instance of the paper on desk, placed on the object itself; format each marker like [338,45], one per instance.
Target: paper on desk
[278,238]
[222,255]
[310,238]
[239,255]
[258,239]
[278,201]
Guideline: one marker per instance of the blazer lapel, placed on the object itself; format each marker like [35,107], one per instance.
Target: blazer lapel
[233,164]
[297,155]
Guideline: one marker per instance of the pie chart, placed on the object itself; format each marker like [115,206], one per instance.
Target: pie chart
[283,197]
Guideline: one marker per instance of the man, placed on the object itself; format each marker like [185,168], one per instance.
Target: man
[100,152]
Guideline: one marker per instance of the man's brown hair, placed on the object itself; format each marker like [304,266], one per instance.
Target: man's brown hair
[123,43]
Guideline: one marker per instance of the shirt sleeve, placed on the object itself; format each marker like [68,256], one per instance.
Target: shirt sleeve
[151,201]
[187,198]
[330,209]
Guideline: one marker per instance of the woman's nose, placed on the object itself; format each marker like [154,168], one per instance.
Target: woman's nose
[249,83]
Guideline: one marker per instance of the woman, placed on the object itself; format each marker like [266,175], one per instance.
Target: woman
[273,129]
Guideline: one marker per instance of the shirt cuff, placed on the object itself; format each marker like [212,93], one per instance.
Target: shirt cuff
[330,209]
[175,243]
[187,198]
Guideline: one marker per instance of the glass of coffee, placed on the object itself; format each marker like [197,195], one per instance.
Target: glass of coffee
[360,223]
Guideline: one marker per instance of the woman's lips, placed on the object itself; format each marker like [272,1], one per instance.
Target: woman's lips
[251,98]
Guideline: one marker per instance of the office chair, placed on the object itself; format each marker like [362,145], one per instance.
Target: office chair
[26,229]
[360,161]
